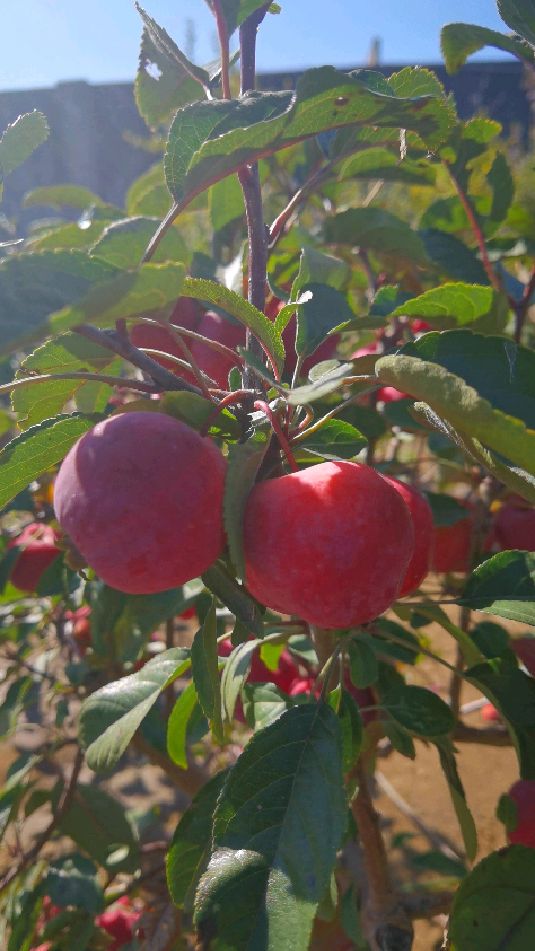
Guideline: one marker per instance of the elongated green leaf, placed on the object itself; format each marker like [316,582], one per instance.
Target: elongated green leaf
[241,309]
[494,908]
[66,196]
[454,305]
[263,123]
[177,725]
[327,382]
[419,710]
[20,139]
[376,230]
[150,287]
[453,257]
[110,716]
[504,585]
[236,598]
[67,353]
[190,846]
[121,623]
[363,666]
[513,693]
[464,816]
[235,672]
[483,385]
[263,704]
[32,286]
[72,881]
[520,16]
[273,853]
[98,824]
[27,456]
[122,243]
[335,440]
[244,461]
[460,40]
[323,309]
[381,163]
[205,669]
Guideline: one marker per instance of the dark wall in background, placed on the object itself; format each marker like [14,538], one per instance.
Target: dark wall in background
[87,145]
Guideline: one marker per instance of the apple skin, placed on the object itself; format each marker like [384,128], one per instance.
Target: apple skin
[141,497]
[524,648]
[514,527]
[81,627]
[523,795]
[186,313]
[452,545]
[330,544]
[283,677]
[119,921]
[490,714]
[38,550]
[422,518]
[212,362]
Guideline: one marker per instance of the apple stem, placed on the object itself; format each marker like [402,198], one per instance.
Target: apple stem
[277,429]
[236,396]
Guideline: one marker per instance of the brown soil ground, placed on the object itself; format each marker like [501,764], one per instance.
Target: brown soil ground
[485,771]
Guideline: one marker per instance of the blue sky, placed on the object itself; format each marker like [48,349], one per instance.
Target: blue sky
[45,41]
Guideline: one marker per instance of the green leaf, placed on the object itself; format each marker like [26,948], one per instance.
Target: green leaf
[460,40]
[150,287]
[13,704]
[65,354]
[66,196]
[317,267]
[121,623]
[235,672]
[502,185]
[234,597]
[336,439]
[513,693]
[242,131]
[351,726]
[382,164]
[273,852]
[455,305]
[323,309]
[226,202]
[20,139]
[99,825]
[263,704]
[244,461]
[236,11]
[190,846]
[241,309]
[520,16]
[72,880]
[177,725]
[445,508]
[196,410]
[110,716]
[453,257]
[332,378]
[123,243]
[205,669]
[178,82]
[376,229]
[418,710]
[483,385]
[504,585]
[27,456]
[363,666]
[494,908]
[464,816]
[32,286]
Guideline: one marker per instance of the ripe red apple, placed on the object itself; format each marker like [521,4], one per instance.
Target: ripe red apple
[423,535]
[490,714]
[81,627]
[523,795]
[283,677]
[141,497]
[330,544]
[38,549]
[213,362]
[452,547]
[524,648]
[186,313]
[119,920]
[514,526]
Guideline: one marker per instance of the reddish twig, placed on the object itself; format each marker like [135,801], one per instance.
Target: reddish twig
[476,229]
[235,397]
[222,32]
[277,429]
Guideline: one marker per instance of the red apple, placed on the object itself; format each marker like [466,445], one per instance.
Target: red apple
[330,544]
[38,549]
[514,526]
[81,626]
[214,363]
[524,648]
[523,795]
[490,714]
[283,677]
[119,920]
[452,547]
[423,535]
[141,497]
